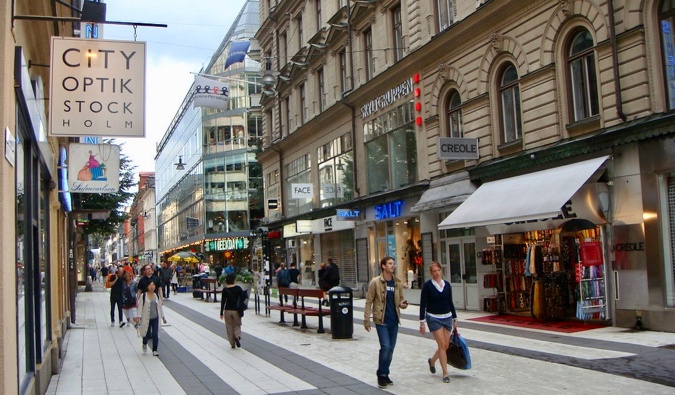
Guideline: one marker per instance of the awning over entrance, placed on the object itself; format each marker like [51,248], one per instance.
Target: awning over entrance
[448,191]
[527,197]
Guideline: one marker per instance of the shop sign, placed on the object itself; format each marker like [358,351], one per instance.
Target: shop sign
[232,243]
[272,204]
[629,247]
[291,230]
[331,224]
[449,148]
[388,210]
[348,215]
[303,226]
[93,168]
[97,88]
[333,191]
[302,191]
[401,90]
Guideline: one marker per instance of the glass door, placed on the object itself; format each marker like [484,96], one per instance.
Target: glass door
[461,272]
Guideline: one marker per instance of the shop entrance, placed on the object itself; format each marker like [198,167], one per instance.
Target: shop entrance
[461,272]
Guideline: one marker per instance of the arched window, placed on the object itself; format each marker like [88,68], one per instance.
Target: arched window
[455,115]
[583,78]
[509,93]
[667,23]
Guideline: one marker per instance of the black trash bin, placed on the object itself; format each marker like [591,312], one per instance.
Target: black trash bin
[341,312]
[197,284]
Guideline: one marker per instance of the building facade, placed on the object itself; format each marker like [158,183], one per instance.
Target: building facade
[471,132]
[204,204]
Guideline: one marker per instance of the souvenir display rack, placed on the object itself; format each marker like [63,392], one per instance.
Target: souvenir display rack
[517,286]
[494,279]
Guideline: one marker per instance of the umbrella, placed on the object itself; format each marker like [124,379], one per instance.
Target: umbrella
[184,255]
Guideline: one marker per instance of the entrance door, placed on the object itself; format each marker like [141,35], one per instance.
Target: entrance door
[461,255]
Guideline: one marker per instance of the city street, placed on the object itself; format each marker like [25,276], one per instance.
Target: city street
[195,357]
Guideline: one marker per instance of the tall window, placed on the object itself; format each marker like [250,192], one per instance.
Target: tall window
[318,15]
[342,55]
[301,40]
[303,111]
[391,149]
[445,14]
[287,114]
[322,90]
[283,50]
[455,115]
[298,171]
[368,53]
[336,171]
[398,34]
[509,93]
[583,77]
[268,60]
[667,22]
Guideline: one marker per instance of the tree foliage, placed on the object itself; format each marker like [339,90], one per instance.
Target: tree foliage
[114,202]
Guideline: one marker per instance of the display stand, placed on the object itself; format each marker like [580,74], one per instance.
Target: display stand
[517,286]
[494,279]
[592,298]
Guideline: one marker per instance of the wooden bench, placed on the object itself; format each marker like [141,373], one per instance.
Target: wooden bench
[311,311]
[208,291]
[283,308]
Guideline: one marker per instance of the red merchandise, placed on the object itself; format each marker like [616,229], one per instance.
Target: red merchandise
[591,253]
[578,272]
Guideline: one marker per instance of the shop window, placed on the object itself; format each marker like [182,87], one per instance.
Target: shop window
[509,94]
[669,231]
[455,115]
[22,267]
[445,14]
[297,172]
[667,24]
[583,78]
[391,150]
[336,169]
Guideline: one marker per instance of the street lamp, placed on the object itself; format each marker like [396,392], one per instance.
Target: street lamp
[180,165]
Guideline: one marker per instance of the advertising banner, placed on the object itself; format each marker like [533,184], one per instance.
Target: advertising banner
[93,168]
[97,88]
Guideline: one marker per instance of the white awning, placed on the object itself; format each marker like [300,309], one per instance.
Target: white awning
[527,197]
[447,192]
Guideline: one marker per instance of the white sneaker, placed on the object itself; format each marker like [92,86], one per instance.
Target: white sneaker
[112,324]
[145,348]
[155,353]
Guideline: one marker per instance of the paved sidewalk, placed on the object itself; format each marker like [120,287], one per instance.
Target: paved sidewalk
[195,357]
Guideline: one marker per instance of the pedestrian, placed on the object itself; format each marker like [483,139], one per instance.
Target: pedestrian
[332,274]
[294,273]
[129,298]
[438,311]
[92,273]
[322,282]
[283,280]
[104,273]
[127,268]
[149,277]
[150,307]
[384,300]
[166,274]
[230,268]
[219,272]
[229,309]
[116,289]
[174,282]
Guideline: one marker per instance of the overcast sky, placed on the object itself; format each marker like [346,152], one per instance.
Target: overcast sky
[196,28]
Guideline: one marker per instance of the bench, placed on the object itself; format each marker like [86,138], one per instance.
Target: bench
[292,292]
[208,291]
[311,311]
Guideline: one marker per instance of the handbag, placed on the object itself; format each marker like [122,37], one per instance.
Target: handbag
[107,281]
[458,352]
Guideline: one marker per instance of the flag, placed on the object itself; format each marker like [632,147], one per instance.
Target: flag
[210,93]
[237,53]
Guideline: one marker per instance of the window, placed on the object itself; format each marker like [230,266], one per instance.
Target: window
[509,93]
[666,184]
[342,55]
[301,40]
[336,164]
[297,172]
[583,78]
[391,149]
[398,34]
[445,14]
[667,20]
[368,53]
[303,110]
[322,90]
[455,115]
[268,60]
[287,114]
[283,50]
[318,15]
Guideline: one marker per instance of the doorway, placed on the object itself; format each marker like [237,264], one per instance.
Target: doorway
[460,270]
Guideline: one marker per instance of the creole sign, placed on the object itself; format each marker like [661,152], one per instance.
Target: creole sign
[232,243]
[450,148]
[97,88]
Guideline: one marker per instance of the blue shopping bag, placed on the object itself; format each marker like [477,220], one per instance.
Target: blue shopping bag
[458,352]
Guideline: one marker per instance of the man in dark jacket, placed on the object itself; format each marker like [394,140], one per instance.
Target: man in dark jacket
[116,289]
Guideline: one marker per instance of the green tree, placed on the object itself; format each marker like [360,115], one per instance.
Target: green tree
[114,202]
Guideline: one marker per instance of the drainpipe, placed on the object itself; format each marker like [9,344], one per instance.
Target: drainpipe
[615,62]
[343,102]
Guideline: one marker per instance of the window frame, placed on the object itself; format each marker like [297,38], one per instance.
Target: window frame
[667,69]
[368,53]
[342,69]
[583,57]
[450,110]
[318,14]
[397,30]
[303,111]
[320,81]
[449,8]
[512,86]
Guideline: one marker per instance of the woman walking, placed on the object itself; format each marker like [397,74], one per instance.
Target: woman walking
[438,311]
[129,298]
[151,312]
[229,309]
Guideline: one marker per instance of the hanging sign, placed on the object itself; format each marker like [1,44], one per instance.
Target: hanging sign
[232,243]
[97,88]
[93,168]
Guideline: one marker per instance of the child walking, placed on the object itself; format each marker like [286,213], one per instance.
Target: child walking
[150,308]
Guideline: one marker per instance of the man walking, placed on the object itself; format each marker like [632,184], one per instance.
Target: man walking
[166,274]
[384,300]
[116,290]
[149,277]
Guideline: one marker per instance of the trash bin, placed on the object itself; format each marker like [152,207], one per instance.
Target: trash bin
[341,300]
[197,284]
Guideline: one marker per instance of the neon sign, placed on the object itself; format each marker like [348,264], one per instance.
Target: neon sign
[388,210]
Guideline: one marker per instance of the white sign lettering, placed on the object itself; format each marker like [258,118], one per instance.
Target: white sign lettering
[401,90]
[302,191]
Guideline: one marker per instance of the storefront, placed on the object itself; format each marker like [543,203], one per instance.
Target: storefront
[536,241]
[222,251]
[300,249]
[334,238]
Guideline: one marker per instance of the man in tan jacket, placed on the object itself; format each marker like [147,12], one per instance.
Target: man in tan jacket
[384,300]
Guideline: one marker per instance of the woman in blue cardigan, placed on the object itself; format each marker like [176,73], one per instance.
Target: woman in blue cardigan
[438,311]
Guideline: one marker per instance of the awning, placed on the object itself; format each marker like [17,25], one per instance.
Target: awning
[448,191]
[527,197]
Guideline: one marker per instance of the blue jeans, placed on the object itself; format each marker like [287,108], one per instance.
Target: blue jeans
[153,332]
[387,335]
